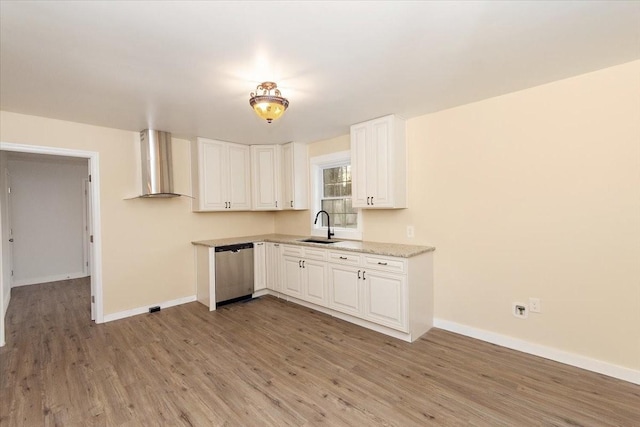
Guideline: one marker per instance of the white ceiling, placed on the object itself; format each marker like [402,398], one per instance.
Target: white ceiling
[188,67]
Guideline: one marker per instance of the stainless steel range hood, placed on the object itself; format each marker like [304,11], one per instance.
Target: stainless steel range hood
[157,166]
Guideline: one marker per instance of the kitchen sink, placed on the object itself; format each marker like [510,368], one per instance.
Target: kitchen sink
[318,240]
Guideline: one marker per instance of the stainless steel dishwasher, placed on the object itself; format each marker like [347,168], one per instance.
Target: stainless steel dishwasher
[234,273]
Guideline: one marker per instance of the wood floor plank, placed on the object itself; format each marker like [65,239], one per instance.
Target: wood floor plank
[267,362]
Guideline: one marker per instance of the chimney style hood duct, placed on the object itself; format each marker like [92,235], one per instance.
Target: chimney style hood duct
[157,167]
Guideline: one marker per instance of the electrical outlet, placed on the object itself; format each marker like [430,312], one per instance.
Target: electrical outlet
[411,231]
[534,305]
[520,310]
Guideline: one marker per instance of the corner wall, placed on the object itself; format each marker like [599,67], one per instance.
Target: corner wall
[147,256]
[534,194]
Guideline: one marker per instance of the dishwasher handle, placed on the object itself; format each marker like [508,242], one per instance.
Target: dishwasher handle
[234,248]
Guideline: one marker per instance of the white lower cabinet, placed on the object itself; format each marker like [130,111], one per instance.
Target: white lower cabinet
[314,281]
[259,266]
[385,298]
[273,266]
[344,289]
[305,274]
[292,276]
[388,294]
[356,288]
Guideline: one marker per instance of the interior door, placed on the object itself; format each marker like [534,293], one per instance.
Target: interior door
[10,236]
[88,237]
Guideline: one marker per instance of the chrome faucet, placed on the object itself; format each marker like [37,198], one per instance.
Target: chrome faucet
[329,233]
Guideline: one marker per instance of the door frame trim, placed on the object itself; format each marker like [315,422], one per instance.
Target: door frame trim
[94,172]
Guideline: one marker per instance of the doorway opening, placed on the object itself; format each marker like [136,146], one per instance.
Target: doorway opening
[89,217]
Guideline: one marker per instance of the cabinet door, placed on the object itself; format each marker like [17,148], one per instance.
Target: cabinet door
[344,289]
[314,281]
[295,176]
[378,158]
[359,165]
[213,173]
[266,177]
[292,277]
[239,160]
[379,163]
[274,262]
[384,299]
[259,266]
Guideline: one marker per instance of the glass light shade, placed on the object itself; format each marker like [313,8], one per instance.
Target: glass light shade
[269,110]
[267,106]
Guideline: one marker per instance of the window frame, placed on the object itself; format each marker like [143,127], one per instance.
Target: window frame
[318,164]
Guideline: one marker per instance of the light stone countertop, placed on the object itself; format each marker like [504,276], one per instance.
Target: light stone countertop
[377,248]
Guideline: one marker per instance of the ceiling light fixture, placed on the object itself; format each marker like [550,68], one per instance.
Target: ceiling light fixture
[267,106]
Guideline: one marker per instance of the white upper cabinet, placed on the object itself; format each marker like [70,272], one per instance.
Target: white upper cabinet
[379,163]
[266,175]
[220,176]
[295,176]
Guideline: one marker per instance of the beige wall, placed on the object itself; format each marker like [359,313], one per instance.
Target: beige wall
[532,194]
[146,251]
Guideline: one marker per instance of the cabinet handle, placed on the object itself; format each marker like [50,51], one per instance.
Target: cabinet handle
[358,274]
[292,203]
[259,244]
[276,203]
[299,264]
[363,278]
[303,264]
[368,200]
[277,245]
[371,200]
[382,263]
[343,257]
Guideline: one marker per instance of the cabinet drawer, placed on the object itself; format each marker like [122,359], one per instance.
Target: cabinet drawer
[292,250]
[319,254]
[395,265]
[346,258]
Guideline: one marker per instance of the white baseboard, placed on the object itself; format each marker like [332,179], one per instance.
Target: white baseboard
[594,365]
[46,279]
[141,310]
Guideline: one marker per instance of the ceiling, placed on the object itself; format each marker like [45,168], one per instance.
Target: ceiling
[188,67]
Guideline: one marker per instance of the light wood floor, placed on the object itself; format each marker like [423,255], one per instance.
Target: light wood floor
[272,363]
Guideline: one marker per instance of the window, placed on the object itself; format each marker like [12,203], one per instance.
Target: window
[336,197]
[331,180]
